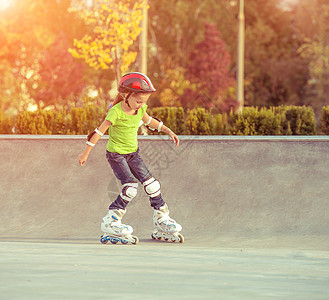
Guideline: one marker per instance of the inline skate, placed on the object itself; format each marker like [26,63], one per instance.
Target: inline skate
[115,231]
[167,229]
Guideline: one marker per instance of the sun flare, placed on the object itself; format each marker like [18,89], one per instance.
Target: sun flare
[5,4]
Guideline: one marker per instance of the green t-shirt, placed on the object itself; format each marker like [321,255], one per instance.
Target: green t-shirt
[123,131]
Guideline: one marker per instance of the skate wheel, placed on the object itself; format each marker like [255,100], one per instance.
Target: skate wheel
[124,242]
[103,241]
[114,242]
[181,238]
[159,238]
[153,236]
[166,239]
[136,240]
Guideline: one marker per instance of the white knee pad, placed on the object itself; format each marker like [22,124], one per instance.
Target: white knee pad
[152,187]
[129,191]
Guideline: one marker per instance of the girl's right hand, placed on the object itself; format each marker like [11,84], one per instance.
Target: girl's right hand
[82,159]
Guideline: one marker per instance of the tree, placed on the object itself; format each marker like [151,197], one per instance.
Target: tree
[274,73]
[209,69]
[114,26]
[27,29]
[312,24]
[170,46]
[61,76]
[18,48]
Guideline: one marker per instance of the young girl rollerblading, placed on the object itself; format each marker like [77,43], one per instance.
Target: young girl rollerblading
[122,153]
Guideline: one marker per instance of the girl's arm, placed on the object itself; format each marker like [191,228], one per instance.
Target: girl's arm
[160,127]
[93,141]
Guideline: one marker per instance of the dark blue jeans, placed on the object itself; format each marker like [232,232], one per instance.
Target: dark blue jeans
[127,168]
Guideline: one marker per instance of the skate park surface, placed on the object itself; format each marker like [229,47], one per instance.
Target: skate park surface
[254,212]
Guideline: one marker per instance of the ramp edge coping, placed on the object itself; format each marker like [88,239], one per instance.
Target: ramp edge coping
[164,137]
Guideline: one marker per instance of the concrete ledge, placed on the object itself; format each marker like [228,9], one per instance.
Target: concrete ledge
[182,137]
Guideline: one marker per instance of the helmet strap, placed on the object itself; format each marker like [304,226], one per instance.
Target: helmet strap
[126,101]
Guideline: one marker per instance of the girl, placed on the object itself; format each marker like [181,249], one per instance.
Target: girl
[122,153]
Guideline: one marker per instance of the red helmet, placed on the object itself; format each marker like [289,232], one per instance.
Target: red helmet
[135,82]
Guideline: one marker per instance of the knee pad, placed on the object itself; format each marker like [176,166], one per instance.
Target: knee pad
[152,187]
[129,191]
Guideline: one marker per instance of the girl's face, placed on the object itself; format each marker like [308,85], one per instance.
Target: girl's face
[136,101]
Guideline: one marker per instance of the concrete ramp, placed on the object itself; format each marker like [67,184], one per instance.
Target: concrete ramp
[265,191]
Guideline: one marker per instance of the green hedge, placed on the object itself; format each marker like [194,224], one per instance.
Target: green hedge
[255,122]
[5,124]
[173,117]
[324,121]
[63,121]
[297,120]
[283,120]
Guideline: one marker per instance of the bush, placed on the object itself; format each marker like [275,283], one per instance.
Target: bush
[222,126]
[32,123]
[173,117]
[199,121]
[63,121]
[283,120]
[324,120]
[255,122]
[297,120]
[5,124]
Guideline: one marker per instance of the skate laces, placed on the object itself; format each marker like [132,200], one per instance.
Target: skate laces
[111,220]
[116,224]
[166,220]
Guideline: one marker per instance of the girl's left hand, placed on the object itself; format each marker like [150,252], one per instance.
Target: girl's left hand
[175,138]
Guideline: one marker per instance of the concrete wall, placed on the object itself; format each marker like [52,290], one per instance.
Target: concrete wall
[214,186]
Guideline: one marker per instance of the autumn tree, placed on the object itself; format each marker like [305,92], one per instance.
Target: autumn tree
[21,40]
[311,20]
[170,46]
[61,76]
[274,73]
[27,29]
[114,26]
[209,70]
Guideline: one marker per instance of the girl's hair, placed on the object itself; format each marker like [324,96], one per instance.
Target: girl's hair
[120,97]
